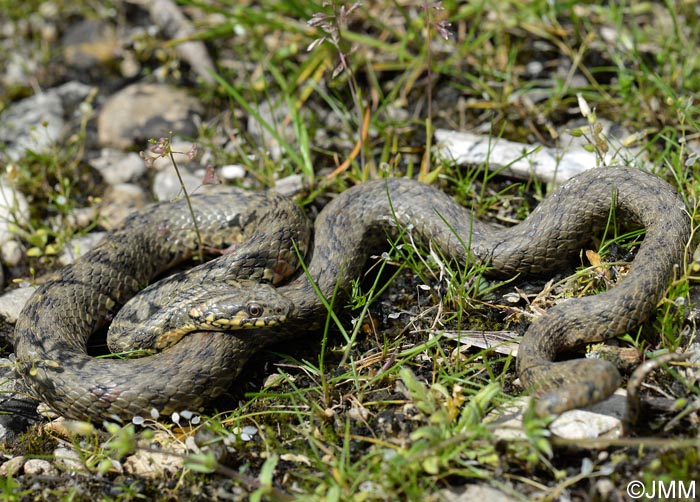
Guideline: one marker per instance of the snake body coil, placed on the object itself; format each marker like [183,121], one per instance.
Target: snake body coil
[54,326]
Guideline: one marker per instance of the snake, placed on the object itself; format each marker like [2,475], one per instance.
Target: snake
[54,326]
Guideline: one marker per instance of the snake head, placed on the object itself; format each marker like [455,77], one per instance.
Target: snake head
[239,305]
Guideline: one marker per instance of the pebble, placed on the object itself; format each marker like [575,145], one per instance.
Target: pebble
[12,466]
[68,458]
[603,419]
[20,68]
[583,424]
[291,185]
[82,217]
[153,465]
[13,208]
[175,25]
[39,467]
[144,111]
[11,253]
[117,167]
[34,123]
[232,172]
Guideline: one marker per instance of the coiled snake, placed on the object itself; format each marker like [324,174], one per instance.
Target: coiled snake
[54,326]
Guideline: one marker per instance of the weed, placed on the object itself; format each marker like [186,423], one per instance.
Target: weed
[333,26]
[11,490]
[162,148]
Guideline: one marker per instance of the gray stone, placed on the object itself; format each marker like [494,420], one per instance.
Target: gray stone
[116,166]
[603,419]
[19,69]
[37,122]
[169,18]
[156,464]
[290,185]
[69,458]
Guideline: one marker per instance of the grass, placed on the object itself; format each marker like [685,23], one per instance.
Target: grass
[380,405]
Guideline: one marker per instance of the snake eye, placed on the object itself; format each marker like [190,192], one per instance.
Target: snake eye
[254,309]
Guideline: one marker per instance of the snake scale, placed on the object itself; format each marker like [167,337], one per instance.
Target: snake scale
[53,329]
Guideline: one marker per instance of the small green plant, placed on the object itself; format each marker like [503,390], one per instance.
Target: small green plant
[11,490]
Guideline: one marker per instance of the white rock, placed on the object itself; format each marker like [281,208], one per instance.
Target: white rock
[152,464]
[507,423]
[156,464]
[13,210]
[12,302]
[290,185]
[482,493]
[35,123]
[602,419]
[38,467]
[232,172]
[11,252]
[508,157]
